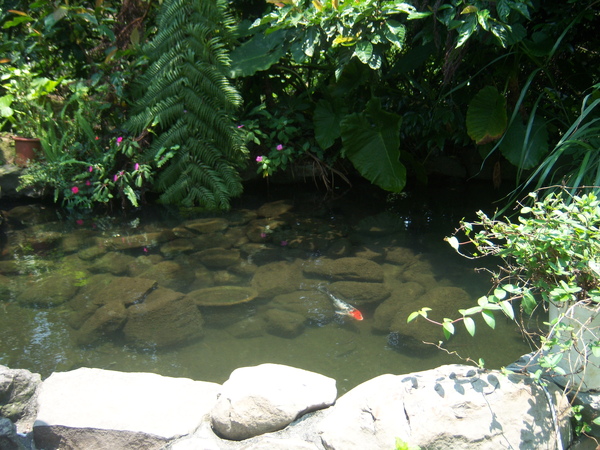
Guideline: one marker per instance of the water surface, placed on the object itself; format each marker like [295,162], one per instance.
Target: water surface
[265,235]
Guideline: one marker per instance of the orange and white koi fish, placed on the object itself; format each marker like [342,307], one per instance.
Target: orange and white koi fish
[341,307]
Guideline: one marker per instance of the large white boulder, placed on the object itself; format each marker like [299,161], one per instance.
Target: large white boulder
[457,407]
[102,409]
[265,398]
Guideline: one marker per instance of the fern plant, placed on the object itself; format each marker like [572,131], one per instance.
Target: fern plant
[187,101]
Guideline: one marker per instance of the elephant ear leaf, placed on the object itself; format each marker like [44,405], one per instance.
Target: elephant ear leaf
[486,116]
[259,53]
[326,120]
[525,146]
[371,142]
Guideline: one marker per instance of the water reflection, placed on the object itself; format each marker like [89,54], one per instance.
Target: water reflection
[200,295]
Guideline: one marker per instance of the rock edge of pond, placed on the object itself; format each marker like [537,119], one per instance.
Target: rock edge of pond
[281,407]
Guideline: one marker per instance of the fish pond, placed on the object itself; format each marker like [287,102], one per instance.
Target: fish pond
[185,293]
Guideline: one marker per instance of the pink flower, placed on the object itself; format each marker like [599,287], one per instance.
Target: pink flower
[259,159]
[136,167]
[263,235]
[284,243]
[116,177]
[74,189]
[90,169]
[119,140]
[145,249]
[88,183]
[79,221]
[97,138]
[241,126]
[279,147]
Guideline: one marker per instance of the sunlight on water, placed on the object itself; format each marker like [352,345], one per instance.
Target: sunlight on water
[200,295]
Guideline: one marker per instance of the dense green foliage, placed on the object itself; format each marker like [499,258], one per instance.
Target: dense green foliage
[188,102]
[455,73]
[372,87]
[549,255]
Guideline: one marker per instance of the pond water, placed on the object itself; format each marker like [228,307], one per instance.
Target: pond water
[190,294]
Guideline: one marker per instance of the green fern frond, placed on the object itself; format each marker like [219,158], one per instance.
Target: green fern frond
[186,95]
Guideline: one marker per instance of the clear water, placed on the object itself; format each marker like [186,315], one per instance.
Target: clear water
[41,339]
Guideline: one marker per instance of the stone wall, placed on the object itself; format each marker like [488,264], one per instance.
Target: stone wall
[280,407]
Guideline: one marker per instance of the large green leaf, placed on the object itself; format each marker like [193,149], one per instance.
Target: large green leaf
[395,32]
[327,120]
[259,53]
[371,142]
[5,109]
[525,150]
[486,115]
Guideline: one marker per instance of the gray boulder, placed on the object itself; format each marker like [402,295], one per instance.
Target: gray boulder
[18,396]
[101,409]
[9,440]
[268,397]
[450,407]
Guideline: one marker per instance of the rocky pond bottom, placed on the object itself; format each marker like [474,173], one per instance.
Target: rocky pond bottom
[200,295]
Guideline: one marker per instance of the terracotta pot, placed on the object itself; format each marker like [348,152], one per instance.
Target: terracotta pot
[26,149]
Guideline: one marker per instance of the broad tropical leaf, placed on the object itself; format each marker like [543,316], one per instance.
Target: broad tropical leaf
[327,120]
[259,53]
[371,142]
[523,150]
[486,115]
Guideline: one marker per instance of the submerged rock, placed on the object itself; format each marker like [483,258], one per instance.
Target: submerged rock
[207,225]
[105,321]
[359,293]
[400,301]
[170,274]
[102,289]
[218,258]
[274,209]
[285,324]
[54,290]
[222,295]
[314,306]
[115,263]
[149,239]
[443,301]
[277,278]
[165,318]
[177,246]
[344,269]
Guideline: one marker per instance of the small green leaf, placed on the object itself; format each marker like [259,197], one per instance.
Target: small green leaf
[596,421]
[470,325]
[528,302]
[507,308]
[500,293]
[489,318]
[453,242]
[412,316]
[448,327]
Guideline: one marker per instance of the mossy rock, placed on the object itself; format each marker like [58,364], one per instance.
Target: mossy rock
[222,295]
